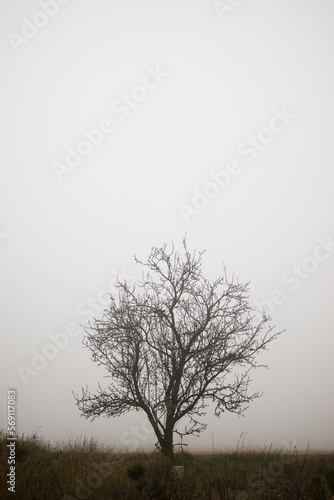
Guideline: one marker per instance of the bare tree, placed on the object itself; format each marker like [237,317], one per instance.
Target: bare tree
[173,343]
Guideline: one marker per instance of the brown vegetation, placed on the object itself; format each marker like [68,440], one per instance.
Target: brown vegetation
[84,470]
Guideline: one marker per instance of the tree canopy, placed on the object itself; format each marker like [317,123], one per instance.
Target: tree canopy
[173,343]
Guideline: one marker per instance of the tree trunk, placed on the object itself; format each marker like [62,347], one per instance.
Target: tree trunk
[167,443]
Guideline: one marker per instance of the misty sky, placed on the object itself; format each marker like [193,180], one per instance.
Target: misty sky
[127,124]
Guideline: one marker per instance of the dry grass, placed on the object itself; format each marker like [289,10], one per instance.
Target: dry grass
[82,469]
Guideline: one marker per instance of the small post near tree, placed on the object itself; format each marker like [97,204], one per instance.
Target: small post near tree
[173,343]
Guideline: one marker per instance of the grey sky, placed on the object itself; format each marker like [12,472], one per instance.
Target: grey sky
[218,125]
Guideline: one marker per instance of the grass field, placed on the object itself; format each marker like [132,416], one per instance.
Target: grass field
[84,470]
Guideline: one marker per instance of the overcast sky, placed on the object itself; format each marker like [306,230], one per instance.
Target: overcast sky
[125,124]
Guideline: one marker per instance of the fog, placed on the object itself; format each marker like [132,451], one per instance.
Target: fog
[128,124]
